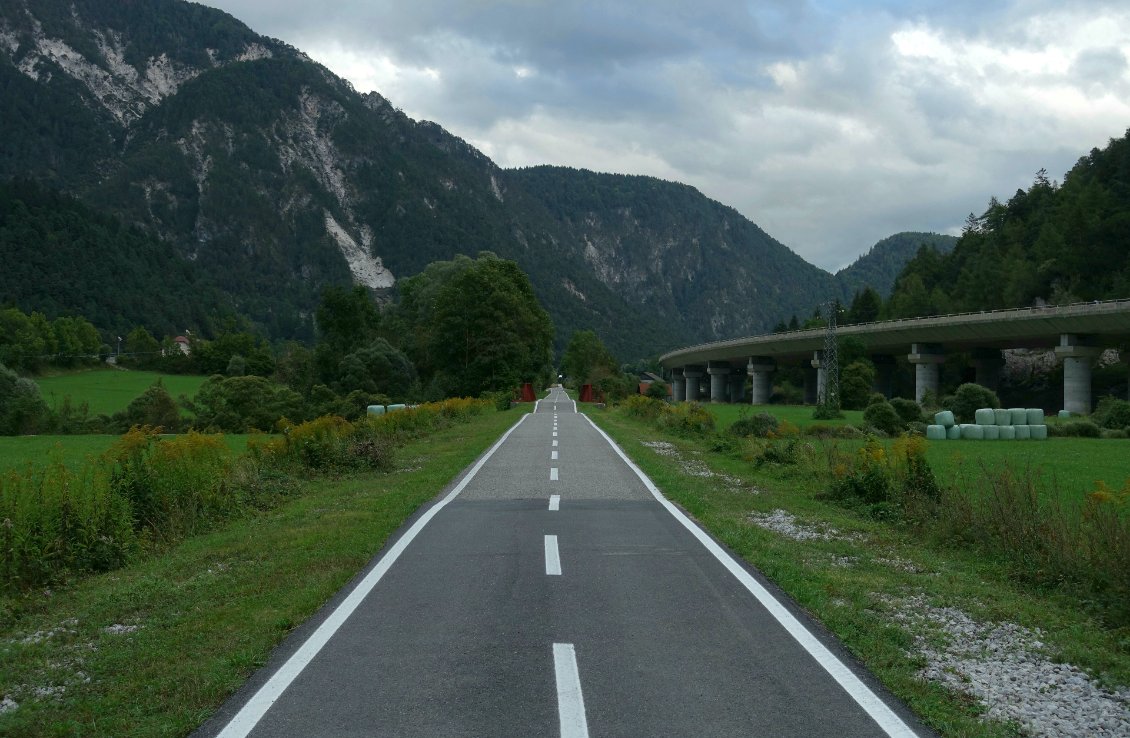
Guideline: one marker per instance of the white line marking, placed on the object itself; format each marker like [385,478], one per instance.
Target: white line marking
[555,443]
[570,701]
[553,456]
[555,434]
[553,473]
[574,406]
[891,723]
[554,503]
[256,707]
[552,558]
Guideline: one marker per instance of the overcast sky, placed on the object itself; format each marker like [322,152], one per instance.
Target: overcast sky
[829,123]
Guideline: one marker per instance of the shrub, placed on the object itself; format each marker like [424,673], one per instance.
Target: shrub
[242,404]
[1112,413]
[883,417]
[657,391]
[969,398]
[823,430]
[876,478]
[826,412]
[759,425]
[22,409]
[686,417]
[783,453]
[1078,428]
[154,407]
[1116,433]
[856,381]
[876,397]
[909,410]
[645,408]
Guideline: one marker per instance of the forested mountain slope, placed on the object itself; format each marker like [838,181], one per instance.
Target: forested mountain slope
[274,178]
[1054,243]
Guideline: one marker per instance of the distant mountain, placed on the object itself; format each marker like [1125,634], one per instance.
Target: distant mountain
[273,178]
[883,262]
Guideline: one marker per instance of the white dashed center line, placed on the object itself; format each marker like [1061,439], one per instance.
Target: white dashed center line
[553,473]
[555,434]
[554,503]
[553,456]
[555,443]
[570,701]
[552,558]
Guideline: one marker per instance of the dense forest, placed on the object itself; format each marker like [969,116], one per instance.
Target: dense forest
[1053,243]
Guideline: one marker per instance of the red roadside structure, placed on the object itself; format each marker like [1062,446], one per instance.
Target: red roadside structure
[528,393]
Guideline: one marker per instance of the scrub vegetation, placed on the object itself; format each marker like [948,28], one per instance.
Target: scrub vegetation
[213,567]
[877,521]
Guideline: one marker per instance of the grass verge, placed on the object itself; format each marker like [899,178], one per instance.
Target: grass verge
[106,391]
[865,573]
[155,648]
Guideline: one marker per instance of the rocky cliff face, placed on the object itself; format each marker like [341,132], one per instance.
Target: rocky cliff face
[276,178]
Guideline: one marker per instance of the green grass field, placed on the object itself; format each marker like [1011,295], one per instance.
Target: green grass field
[798,415]
[106,391]
[16,452]
[1072,464]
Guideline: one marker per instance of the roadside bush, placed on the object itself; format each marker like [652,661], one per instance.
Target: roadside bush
[686,417]
[824,430]
[782,453]
[899,480]
[856,381]
[643,407]
[909,410]
[882,417]
[758,425]
[969,398]
[243,404]
[657,391]
[173,485]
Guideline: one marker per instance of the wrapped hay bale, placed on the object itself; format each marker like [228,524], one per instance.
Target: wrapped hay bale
[972,432]
[375,410]
[1023,432]
[1007,432]
[944,418]
[1019,416]
[1039,432]
[953,432]
[992,432]
[985,416]
[936,432]
[1003,417]
[1035,416]
[1065,413]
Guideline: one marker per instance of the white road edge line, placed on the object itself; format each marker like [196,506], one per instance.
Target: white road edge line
[256,707]
[552,557]
[553,473]
[570,701]
[554,503]
[891,723]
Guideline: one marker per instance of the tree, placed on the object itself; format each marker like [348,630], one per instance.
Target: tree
[488,330]
[856,381]
[377,368]
[865,306]
[22,409]
[154,407]
[586,359]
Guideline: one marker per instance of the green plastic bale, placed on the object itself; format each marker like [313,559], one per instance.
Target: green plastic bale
[1035,416]
[985,416]
[953,433]
[992,432]
[375,410]
[1065,413]
[1007,432]
[1039,432]
[1023,432]
[1003,417]
[936,432]
[972,432]
[398,406]
[944,418]
[1019,416]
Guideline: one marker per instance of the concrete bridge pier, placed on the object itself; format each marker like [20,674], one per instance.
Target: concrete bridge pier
[987,365]
[884,374]
[692,375]
[927,359]
[719,372]
[760,370]
[678,385]
[737,386]
[1077,353]
[821,378]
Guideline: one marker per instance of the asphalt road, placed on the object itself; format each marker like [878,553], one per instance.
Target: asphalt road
[550,592]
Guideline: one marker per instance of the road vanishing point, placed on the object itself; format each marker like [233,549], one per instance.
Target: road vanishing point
[553,590]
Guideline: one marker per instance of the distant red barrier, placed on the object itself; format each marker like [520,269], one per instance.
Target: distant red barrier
[528,393]
[586,393]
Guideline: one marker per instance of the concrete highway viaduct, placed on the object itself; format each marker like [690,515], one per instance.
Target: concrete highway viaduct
[1078,333]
